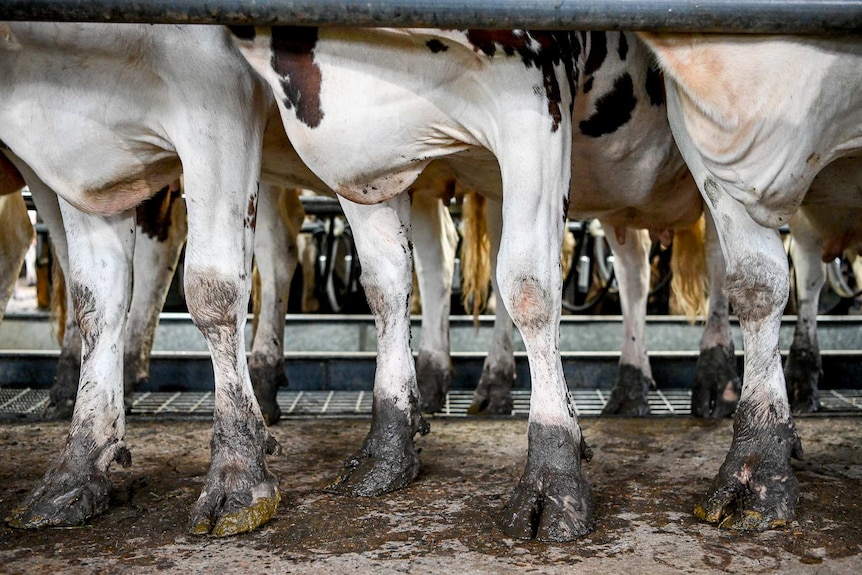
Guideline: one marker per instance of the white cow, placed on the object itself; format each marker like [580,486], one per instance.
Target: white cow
[756,119]
[103,116]
[368,110]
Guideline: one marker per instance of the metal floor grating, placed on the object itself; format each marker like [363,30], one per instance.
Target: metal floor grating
[669,402]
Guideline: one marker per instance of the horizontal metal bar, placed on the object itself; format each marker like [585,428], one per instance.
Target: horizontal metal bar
[728,16]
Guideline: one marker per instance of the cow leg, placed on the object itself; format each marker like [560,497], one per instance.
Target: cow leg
[387,459]
[716,387]
[161,234]
[553,501]
[239,493]
[61,396]
[434,243]
[279,221]
[493,394]
[630,394]
[804,367]
[76,486]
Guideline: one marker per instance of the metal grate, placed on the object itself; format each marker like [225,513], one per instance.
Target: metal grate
[587,403]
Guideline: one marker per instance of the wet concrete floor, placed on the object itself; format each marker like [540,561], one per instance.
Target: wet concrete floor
[647,475]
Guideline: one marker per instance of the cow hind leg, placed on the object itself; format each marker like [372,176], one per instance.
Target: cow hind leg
[803,369]
[755,488]
[434,243]
[76,486]
[279,221]
[630,394]
[161,235]
[716,387]
[387,459]
[493,395]
[553,500]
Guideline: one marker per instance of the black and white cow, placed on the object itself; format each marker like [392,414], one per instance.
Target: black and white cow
[368,110]
[756,119]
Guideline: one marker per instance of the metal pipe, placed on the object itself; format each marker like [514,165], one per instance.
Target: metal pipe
[727,16]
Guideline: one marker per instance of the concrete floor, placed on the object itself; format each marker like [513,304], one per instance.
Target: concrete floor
[647,475]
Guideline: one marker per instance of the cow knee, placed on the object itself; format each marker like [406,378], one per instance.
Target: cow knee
[758,289]
[214,301]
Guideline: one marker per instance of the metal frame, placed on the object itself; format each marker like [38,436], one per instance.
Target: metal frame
[726,16]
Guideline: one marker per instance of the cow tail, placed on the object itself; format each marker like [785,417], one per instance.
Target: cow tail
[58,300]
[690,282]
[475,254]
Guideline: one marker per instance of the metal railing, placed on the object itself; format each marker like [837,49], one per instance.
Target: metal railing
[727,16]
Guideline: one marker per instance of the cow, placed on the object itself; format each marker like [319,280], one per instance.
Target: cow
[628,172]
[756,119]
[18,233]
[367,111]
[103,116]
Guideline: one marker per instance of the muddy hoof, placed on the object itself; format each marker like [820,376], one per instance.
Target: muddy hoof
[716,384]
[802,373]
[387,460]
[493,395]
[630,395]
[221,512]
[70,493]
[434,377]
[755,488]
[553,501]
[266,378]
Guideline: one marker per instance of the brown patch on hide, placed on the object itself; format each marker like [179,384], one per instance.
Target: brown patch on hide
[293,60]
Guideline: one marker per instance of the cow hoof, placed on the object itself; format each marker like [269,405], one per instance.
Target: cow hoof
[716,384]
[221,512]
[755,488]
[493,395]
[434,376]
[554,507]
[266,378]
[58,409]
[630,395]
[553,501]
[388,459]
[63,499]
[802,373]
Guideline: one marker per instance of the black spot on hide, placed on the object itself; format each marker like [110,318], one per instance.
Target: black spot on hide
[612,110]
[436,46]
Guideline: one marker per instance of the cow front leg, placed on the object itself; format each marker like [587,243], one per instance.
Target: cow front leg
[630,394]
[493,395]
[803,369]
[716,387]
[279,222]
[387,459]
[434,243]
[76,486]
[755,488]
